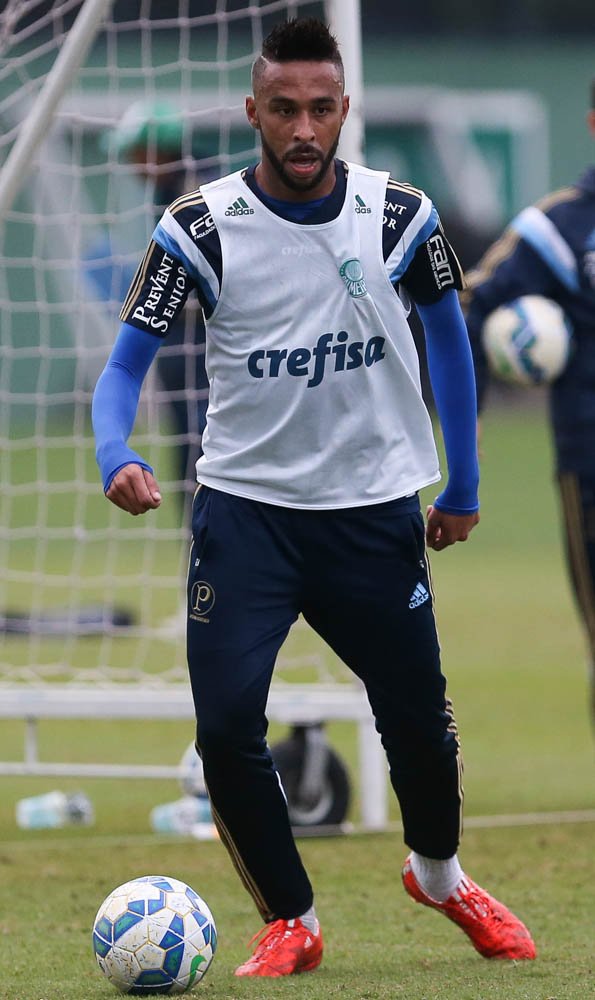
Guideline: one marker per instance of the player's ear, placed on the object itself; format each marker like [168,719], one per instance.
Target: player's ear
[591,121]
[251,114]
[345,108]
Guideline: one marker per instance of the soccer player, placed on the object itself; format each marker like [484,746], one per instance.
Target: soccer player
[316,446]
[549,249]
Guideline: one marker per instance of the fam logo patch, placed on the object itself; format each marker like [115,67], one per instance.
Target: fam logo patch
[202,226]
[439,262]
[352,273]
[202,600]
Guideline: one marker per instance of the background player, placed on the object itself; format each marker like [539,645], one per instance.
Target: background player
[549,249]
[317,443]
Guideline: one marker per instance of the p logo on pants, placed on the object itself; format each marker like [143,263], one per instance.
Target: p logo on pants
[202,599]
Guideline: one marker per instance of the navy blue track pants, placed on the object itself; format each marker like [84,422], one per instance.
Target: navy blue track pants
[359,576]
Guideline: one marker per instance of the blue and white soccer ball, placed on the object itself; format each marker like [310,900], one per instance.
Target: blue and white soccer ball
[527,341]
[154,935]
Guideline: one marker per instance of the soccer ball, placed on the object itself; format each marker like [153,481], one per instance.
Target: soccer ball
[154,935]
[192,778]
[527,341]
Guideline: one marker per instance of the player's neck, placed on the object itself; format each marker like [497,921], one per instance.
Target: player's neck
[269,182]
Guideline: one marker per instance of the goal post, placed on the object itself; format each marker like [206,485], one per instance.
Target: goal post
[345,21]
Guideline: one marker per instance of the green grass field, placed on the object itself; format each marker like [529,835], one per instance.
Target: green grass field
[514,656]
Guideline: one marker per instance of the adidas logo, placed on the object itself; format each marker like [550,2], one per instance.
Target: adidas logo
[360,206]
[239,207]
[419,596]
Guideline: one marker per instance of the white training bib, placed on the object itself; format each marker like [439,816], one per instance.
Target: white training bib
[315,398]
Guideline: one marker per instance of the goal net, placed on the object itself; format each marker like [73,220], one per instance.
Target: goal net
[142,107]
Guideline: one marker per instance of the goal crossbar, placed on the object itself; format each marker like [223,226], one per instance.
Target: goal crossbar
[289,704]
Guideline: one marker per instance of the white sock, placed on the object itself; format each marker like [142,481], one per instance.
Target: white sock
[309,920]
[438,879]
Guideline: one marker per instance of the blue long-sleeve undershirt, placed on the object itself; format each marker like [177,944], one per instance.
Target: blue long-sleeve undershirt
[115,400]
[450,366]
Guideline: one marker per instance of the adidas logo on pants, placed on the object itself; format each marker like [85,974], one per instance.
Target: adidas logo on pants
[418,596]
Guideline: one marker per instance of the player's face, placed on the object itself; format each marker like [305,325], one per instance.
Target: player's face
[299,109]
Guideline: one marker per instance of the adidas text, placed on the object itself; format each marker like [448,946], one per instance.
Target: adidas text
[419,596]
[239,207]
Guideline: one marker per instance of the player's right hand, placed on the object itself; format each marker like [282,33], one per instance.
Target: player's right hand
[134,490]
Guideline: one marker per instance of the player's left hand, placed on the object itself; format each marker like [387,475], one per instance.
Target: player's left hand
[443,529]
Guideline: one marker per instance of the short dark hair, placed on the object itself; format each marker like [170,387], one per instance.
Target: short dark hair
[306,39]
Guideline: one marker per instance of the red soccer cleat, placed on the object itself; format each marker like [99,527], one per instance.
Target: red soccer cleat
[285,948]
[493,930]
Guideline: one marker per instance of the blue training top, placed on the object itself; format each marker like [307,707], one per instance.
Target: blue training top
[549,250]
